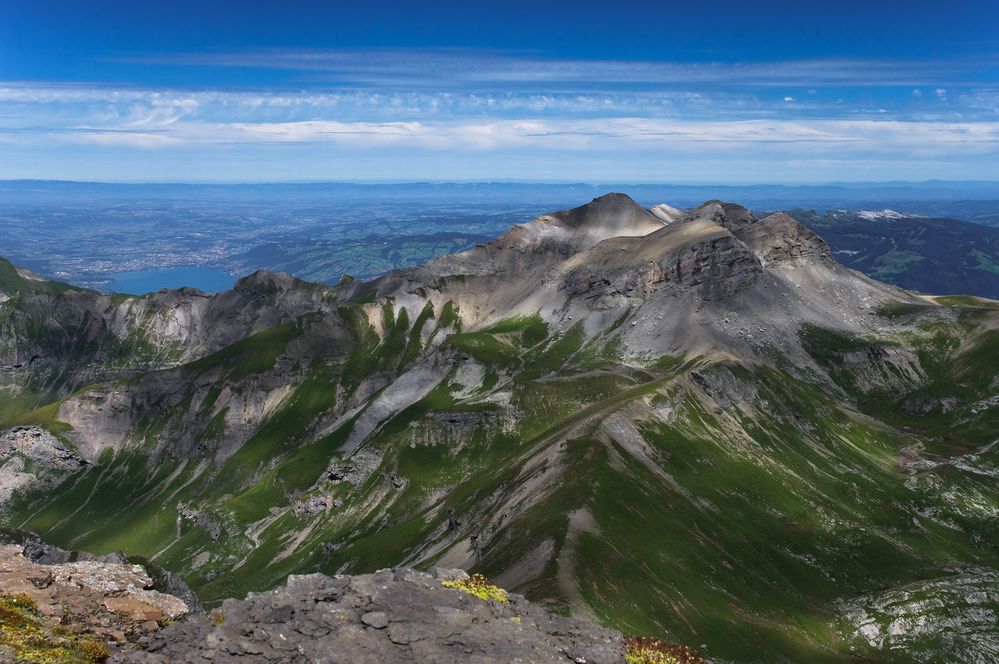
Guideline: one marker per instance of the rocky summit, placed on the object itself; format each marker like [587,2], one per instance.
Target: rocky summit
[692,425]
[391,616]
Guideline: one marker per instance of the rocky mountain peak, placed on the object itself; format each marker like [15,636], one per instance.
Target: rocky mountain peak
[611,215]
[553,237]
[266,282]
[609,212]
[781,239]
[728,215]
[612,254]
[775,239]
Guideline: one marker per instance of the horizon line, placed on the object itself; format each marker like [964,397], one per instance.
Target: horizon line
[592,183]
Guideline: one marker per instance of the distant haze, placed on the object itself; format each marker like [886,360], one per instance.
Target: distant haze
[821,196]
[142,237]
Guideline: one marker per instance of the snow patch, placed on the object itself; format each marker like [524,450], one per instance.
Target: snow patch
[886,214]
[666,213]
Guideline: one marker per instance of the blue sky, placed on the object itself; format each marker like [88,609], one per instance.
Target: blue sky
[710,92]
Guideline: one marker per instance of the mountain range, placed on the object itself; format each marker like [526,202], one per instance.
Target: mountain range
[927,254]
[688,424]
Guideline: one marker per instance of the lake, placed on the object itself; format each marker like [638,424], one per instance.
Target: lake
[210,280]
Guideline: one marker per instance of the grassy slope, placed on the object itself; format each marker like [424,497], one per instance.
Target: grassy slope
[12,283]
[775,509]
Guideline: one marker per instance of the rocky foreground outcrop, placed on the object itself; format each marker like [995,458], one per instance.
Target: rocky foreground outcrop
[390,616]
[113,601]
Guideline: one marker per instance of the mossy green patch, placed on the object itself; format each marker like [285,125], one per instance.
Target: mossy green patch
[23,631]
[13,404]
[449,316]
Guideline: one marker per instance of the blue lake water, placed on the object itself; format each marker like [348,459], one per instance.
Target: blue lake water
[208,279]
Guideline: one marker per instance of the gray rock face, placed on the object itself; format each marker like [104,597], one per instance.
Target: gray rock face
[85,337]
[716,267]
[31,457]
[354,470]
[203,519]
[879,366]
[957,614]
[38,445]
[316,504]
[780,239]
[387,617]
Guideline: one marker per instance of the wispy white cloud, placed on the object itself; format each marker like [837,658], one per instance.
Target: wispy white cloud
[793,138]
[125,107]
[567,115]
[480,68]
[141,140]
